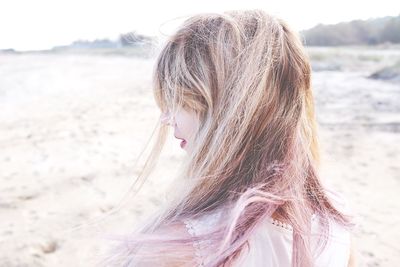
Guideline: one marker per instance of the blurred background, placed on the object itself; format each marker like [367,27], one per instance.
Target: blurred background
[76,110]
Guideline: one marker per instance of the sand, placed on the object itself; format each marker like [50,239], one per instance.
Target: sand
[72,127]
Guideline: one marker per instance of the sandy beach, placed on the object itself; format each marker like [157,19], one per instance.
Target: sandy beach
[72,126]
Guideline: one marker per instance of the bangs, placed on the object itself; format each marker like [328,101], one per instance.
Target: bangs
[175,82]
[169,79]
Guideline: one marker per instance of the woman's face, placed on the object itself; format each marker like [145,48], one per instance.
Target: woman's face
[185,123]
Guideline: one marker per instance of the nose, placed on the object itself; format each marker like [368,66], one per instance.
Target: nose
[167,119]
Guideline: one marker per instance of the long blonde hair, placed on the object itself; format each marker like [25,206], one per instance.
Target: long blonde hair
[247,76]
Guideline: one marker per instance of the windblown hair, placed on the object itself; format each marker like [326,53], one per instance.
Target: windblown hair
[247,76]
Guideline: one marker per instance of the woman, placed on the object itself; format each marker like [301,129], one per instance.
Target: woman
[236,88]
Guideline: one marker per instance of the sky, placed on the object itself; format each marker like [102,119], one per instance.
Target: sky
[42,24]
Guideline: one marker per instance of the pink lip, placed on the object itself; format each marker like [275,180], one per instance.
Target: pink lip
[183,143]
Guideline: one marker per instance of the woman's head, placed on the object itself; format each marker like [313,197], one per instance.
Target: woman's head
[245,74]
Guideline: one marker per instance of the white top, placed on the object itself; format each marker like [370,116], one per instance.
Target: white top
[271,243]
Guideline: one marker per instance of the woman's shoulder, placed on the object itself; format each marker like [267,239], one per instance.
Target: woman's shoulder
[272,239]
[270,243]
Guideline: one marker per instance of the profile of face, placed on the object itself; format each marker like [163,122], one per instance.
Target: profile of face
[186,124]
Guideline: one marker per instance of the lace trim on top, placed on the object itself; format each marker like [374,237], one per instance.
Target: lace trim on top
[196,244]
[286,226]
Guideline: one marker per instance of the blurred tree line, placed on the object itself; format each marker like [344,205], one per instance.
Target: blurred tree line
[131,39]
[356,32]
[135,39]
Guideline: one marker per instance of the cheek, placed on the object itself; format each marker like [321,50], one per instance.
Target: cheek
[187,124]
